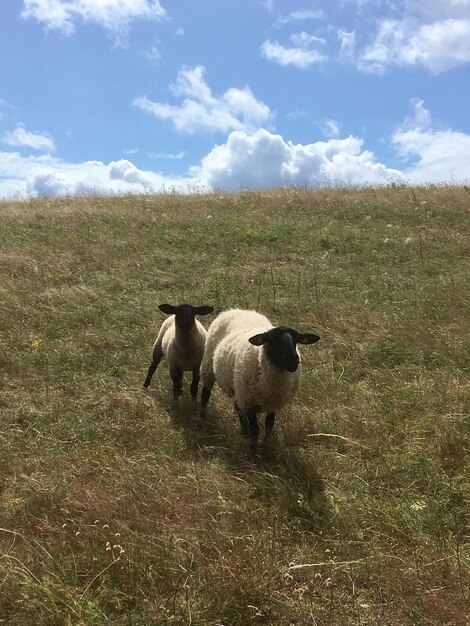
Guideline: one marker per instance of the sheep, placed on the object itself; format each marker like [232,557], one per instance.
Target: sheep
[260,380]
[181,339]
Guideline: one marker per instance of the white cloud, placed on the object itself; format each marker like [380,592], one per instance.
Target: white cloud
[55,14]
[436,155]
[114,15]
[300,16]
[46,175]
[305,40]
[302,55]
[297,114]
[438,47]
[127,171]
[347,52]
[6,109]
[190,82]
[432,34]
[263,159]
[167,155]
[302,58]
[421,117]
[268,5]
[330,128]
[4,106]
[20,137]
[200,111]
[153,54]
[438,10]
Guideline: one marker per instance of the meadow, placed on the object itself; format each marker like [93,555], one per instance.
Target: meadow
[118,508]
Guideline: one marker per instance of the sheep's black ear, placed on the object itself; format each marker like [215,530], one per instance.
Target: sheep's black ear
[169,309]
[306,338]
[203,310]
[258,340]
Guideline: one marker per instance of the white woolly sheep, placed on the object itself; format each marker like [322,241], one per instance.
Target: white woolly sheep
[256,363]
[181,340]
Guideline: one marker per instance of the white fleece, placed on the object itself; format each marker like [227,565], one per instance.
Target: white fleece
[182,350]
[243,370]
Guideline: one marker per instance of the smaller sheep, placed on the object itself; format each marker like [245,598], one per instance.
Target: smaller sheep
[181,340]
[256,363]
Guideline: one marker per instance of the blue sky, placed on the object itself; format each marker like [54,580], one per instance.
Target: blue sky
[140,95]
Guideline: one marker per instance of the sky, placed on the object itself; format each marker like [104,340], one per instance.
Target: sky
[118,96]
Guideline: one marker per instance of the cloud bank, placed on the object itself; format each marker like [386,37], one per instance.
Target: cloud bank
[263,159]
[258,158]
[45,175]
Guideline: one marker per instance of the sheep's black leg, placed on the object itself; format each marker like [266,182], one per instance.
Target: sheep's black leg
[254,429]
[177,378]
[194,384]
[269,424]
[243,421]
[156,358]
[152,368]
[205,395]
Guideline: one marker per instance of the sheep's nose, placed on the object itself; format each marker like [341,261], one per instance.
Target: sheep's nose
[292,363]
[186,323]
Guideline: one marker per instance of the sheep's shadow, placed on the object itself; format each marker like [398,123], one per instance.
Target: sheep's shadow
[289,476]
[276,473]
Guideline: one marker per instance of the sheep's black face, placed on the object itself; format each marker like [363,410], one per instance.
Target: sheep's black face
[280,344]
[281,348]
[184,317]
[185,314]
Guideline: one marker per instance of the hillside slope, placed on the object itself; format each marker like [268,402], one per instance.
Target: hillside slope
[118,509]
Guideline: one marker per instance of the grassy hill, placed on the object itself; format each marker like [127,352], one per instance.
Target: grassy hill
[118,509]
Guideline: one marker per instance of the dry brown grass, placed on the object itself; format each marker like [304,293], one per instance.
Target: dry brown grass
[117,508]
